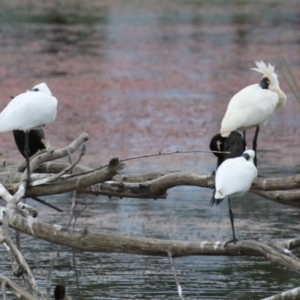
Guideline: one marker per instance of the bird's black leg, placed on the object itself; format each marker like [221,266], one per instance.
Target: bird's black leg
[26,150]
[244,137]
[254,145]
[234,239]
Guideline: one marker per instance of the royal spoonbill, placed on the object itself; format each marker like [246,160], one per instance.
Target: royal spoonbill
[60,293]
[253,106]
[35,144]
[29,111]
[234,144]
[233,179]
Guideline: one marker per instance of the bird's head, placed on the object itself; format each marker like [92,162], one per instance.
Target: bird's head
[249,155]
[269,79]
[216,144]
[59,292]
[43,88]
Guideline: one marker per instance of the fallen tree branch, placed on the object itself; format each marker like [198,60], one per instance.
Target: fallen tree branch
[14,251]
[155,188]
[73,182]
[280,183]
[291,198]
[288,295]
[87,241]
[16,289]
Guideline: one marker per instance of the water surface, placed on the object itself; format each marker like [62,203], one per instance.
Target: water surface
[149,76]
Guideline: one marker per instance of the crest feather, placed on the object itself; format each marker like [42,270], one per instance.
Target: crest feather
[267,70]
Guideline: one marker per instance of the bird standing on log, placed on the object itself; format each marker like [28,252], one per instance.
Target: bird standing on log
[254,105]
[233,179]
[29,111]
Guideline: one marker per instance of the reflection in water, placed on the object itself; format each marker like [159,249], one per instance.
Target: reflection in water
[142,77]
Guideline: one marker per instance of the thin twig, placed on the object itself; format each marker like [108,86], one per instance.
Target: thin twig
[53,261]
[150,155]
[170,153]
[291,74]
[179,289]
[295,88]
[37,199]
[63,172]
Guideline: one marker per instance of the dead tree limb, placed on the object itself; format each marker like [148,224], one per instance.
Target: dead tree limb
[16,289]
[280,183]
[87,241]
[293,294]
[291,197]
[73,182]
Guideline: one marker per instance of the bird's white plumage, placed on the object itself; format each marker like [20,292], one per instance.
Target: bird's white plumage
[234,176]
[253,105]
[30,110]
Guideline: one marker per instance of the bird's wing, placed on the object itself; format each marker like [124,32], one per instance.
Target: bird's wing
[28,111]
[250,107]
[234,177]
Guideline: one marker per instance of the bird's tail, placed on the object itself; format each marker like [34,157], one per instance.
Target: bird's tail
[214,200]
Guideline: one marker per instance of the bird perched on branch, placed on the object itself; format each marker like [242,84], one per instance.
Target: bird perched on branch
[29,111]
[233,179]
[254,105]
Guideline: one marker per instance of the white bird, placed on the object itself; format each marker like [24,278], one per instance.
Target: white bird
[254,105]
[233,179]
[29,111]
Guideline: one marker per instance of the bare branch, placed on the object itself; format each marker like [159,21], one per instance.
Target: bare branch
[288,295]
[291,198]
[47,204]
[73,182]
[170,153]
[179,289]
[16,289]
[86,241]
[280,183]
[66,170]
[157,187]
[18,257]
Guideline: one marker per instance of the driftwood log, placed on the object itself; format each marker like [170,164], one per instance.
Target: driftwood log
[51,177]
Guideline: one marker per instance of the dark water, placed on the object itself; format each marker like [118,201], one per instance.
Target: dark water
[146,76]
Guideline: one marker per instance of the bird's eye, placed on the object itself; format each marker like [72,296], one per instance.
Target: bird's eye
[36,90]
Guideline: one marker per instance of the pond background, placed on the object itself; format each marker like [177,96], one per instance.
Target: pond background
[148,76]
